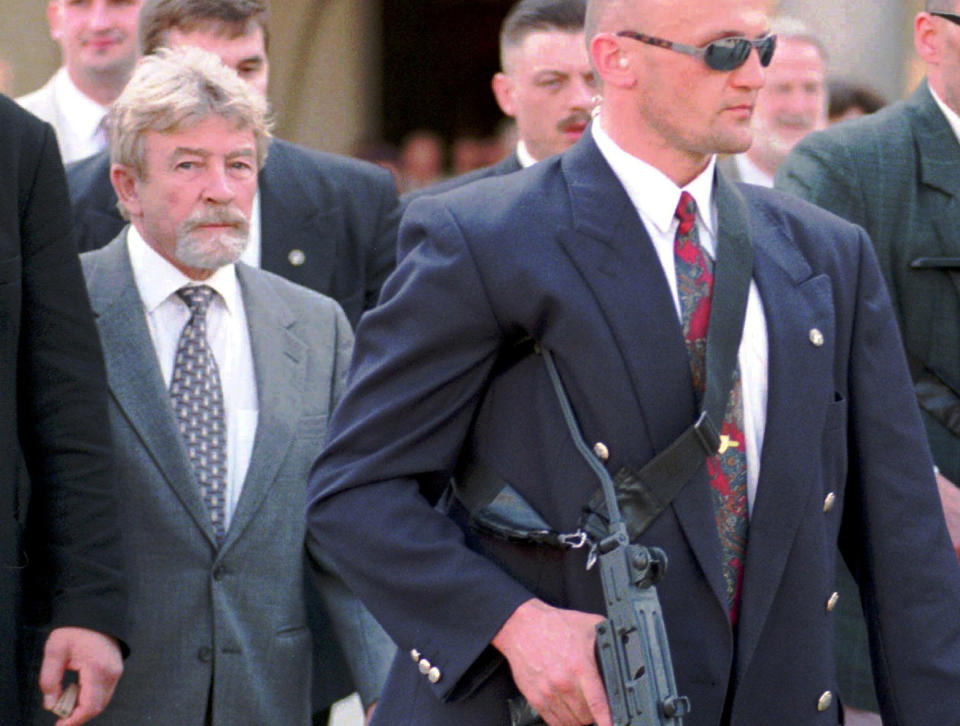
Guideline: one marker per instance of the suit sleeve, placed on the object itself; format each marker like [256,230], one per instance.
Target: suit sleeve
[72,530]
[421,363]
[367,649]
[893,535]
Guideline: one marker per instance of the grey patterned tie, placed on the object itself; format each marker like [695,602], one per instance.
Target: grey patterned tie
[198,402]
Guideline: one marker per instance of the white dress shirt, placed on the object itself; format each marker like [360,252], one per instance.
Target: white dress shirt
[952,118]
[251,253]
[751,173]
[655,197]
[524,156]
[229,338]
[84,135]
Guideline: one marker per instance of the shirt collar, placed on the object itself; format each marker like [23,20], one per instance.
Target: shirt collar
[157,279]
[952,118]
[751,173]
[85,113]
[652,192]
[523,154]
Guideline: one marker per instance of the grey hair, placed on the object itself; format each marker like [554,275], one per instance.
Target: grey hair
[790,28]
[176,88]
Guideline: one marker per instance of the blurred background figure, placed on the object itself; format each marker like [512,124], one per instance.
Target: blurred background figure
[850,99]
[791,104]
[422,159]
[98,47]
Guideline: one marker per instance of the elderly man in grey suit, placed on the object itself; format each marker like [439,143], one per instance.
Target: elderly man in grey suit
[897,174]
[222,377]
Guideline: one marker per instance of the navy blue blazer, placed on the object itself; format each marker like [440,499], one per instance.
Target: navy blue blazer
[558,252]
[507,165]
[328,222]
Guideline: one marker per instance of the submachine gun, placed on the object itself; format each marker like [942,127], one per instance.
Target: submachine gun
[632,648]
[633,653]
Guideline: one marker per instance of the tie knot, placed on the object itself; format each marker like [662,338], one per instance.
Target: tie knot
[197,298]
[686,213]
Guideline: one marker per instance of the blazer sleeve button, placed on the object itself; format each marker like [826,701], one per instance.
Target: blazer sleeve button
[415,654]
[205,654]
[424,666]
[433,675]
[825,701]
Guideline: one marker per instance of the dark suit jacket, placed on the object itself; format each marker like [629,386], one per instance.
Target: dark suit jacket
[328,223]
[558,252]
[52,389]
[507,165]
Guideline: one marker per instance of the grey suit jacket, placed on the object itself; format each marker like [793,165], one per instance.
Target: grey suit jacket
[228,624]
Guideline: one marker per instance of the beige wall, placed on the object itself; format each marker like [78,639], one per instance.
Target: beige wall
[325,56]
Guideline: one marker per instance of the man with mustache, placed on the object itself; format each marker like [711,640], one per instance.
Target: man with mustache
[545,84]
[98,42]
[792,103]
[221,378]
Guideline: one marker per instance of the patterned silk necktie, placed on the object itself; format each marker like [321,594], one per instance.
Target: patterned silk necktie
[727,469]
[198,402]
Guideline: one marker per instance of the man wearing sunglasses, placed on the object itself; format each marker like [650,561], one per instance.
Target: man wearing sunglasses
[898,175]
[792,103]
[604,256]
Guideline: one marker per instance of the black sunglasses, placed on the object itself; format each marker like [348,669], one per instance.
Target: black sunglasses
[724,54]
[952,17]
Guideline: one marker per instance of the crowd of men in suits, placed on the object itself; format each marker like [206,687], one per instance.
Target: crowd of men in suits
[186,549]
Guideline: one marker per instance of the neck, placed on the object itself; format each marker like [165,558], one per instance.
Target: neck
[764,162]
[103,87]
[679,166]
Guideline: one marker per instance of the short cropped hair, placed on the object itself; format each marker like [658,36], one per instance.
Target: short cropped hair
[174,89]
[237,17]
[531,16]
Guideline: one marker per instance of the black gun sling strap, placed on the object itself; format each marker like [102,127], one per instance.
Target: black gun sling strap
[645,494]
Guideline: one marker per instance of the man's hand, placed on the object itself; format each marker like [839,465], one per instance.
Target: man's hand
[97,660]
[551,657]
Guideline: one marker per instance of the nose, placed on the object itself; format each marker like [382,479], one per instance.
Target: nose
[218,188]
[101,17]
[751,73]
[582,91]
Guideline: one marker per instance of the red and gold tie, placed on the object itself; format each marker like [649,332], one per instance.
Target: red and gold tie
[727,469]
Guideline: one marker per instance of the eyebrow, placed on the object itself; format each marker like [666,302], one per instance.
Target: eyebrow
[204,153]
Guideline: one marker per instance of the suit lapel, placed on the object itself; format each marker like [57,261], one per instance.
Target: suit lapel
[279,359]
[610,246]
[134,377]
[299,234]
[794,304]
[939,157]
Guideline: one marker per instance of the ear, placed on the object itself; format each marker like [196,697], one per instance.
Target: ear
[126,185]
[611,61]
[926,38]
[503,91]
[54,19]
